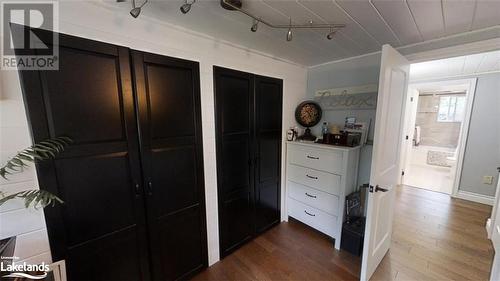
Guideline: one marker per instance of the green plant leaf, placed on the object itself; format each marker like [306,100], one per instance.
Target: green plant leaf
[33,198]
[44,150]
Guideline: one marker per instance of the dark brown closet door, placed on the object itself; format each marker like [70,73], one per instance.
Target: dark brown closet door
[100,229]
[268,112]
[234,119]
[168,97]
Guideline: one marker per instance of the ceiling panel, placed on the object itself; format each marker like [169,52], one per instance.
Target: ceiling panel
[397,14]
[367,16]
[369,24]
[487,14]
[429,18]
[458,15]
[463,65]
[331,13]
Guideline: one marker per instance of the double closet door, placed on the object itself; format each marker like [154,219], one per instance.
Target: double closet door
[248,132]
[132,180]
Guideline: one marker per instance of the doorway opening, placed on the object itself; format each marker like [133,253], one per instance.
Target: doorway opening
[437,125]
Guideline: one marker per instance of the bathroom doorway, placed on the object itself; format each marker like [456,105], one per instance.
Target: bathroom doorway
[437,131]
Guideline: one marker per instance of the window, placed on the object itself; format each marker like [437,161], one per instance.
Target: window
[451,108]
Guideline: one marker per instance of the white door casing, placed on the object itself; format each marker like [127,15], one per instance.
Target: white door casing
[385,169]
[410,121]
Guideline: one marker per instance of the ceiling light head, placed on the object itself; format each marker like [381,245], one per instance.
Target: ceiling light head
[135,12]
[186,7]
[330,35]
[289,35]
[255,26]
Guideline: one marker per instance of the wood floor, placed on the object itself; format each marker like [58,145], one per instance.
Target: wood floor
[434,238]
[437,238]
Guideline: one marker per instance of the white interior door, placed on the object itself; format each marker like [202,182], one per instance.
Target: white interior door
[385,169]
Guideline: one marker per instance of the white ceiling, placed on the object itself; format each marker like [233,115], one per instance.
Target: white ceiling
[457,66]
[370,23]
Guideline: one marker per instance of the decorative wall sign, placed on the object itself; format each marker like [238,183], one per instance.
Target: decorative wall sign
[350,98]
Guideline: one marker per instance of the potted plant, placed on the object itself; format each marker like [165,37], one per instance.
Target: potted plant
[33,198]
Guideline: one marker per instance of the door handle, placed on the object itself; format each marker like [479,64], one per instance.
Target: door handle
[312,215]
[137,189]
[378,188]
[150,187]
[312,196]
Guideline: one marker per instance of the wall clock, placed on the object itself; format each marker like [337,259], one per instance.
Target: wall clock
[308,114]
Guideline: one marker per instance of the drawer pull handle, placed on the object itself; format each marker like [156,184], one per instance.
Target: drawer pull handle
[311,177]
[312,196]
[312,215]
[312,157]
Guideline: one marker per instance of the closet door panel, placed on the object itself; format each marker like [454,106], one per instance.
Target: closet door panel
[88,109]
[81,181]
[174,169]
[171,101]
[234,103]
[89,99]
[268,132]
[182,243]
[168,99]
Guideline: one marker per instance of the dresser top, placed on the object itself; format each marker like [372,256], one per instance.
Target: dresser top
[325,146]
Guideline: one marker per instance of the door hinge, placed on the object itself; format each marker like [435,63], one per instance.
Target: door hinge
[407,137]
[402,173]
[411,99]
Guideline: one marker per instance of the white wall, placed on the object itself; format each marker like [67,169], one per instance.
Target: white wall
[106,23]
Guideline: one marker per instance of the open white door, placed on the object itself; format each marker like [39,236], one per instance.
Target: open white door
[385,169]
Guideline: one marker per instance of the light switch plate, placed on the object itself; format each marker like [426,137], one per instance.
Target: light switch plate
[488,179]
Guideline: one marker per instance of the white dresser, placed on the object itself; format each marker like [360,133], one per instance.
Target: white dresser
[318,179]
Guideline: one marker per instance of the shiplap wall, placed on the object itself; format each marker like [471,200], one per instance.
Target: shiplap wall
[27,224]
[89,20]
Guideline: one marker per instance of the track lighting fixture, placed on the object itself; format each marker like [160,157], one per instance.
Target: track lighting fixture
[236,5]
[186,6]
[289,34]
[255,25]
[330,35]
[136,11]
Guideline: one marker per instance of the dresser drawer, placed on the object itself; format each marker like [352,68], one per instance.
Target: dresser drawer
[320,180]
[313,217]
[319,159]
[314,198]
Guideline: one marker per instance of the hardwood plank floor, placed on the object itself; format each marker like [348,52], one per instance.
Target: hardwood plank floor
[434,238]
[288,251]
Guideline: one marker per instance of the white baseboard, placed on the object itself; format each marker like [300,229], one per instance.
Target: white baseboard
[488,227]
[474,197]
